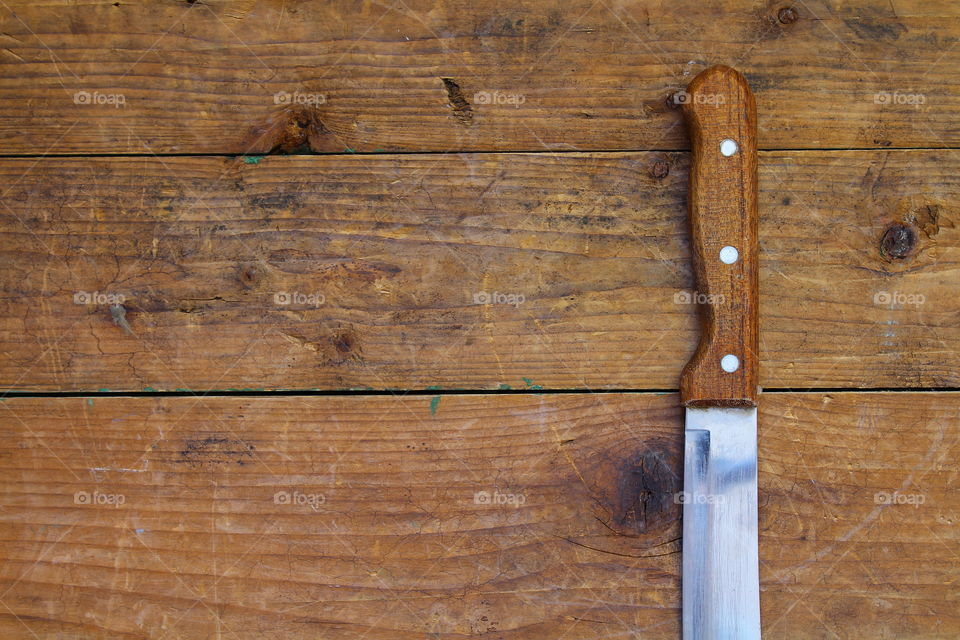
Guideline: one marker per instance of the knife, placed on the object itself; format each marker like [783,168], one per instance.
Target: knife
[718,387]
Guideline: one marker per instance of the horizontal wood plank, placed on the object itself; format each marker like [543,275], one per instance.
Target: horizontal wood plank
[462,271]
[515,516]
[238,76]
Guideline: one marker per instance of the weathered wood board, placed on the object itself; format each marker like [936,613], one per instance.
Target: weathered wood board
[859,267]
[246,76]
[161,261]
[508,516]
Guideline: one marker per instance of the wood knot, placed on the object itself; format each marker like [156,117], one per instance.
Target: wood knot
[647,488]
[297,128]
[660,170]
[346,344]
[898,241]
[247,275]
[633,485]
[787,15]
[294,134]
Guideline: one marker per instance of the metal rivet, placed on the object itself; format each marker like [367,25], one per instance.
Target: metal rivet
[729,363]
[729,255]
[728,147]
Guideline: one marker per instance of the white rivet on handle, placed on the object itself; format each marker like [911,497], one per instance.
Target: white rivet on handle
[729,363]
[728,147]
[729,255]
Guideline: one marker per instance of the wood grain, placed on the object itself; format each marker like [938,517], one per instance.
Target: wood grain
[238,76]
[576,537]
[722,204]
[416,516]
[858,264]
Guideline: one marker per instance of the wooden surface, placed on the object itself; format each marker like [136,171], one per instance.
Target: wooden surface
[722,203]
[583,543]
[275,194]
[248,76]
[398,245]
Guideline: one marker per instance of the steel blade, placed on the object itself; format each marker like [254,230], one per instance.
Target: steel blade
[721,586]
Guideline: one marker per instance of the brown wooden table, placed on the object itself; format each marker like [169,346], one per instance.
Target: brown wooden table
[365,319]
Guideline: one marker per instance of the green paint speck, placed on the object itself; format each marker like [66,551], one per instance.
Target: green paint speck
[349,150]
[434,403]
[89,402]
[530,384]
[149,389]
[252,159]
[504,387]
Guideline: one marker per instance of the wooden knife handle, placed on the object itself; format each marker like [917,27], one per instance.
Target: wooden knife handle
[719,108]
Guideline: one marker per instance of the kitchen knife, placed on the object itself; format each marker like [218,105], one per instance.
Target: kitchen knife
[721,589]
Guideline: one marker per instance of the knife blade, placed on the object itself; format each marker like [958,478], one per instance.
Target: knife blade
[718,387]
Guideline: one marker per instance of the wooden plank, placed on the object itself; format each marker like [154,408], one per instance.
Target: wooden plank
[160,517]
[246,77]
[398,247]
